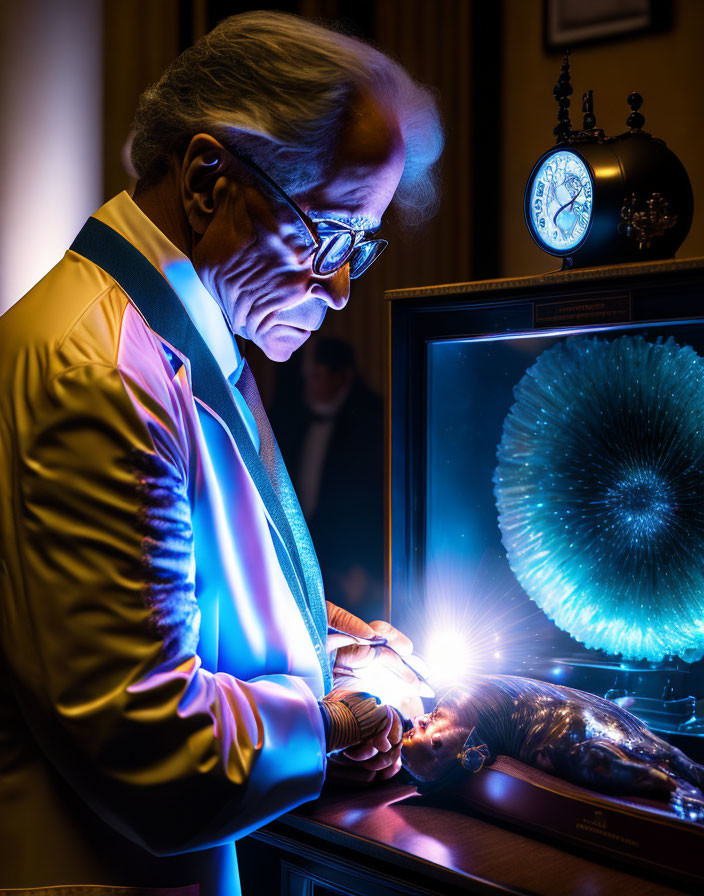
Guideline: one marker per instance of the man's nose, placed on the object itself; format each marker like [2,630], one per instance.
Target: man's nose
[337,288]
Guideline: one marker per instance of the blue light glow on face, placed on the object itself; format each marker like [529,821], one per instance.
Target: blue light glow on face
[560,202]
[600,492]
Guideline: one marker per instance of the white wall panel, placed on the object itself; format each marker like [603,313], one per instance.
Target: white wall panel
[50,133]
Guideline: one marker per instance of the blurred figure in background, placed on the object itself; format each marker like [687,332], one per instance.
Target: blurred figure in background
[332,439]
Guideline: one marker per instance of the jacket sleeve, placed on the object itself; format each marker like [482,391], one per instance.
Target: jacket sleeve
[103,643]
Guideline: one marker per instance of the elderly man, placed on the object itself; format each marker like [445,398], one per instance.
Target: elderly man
[167,682]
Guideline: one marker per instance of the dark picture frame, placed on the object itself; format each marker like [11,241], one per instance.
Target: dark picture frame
[568,23]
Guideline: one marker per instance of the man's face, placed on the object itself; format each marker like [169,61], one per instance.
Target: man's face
[254,256]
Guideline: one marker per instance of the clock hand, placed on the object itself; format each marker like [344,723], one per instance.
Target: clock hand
[563,207]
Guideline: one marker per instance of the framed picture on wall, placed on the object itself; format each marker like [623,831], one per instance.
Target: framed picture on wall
[571,22]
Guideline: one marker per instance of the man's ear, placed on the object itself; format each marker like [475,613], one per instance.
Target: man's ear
[208,174]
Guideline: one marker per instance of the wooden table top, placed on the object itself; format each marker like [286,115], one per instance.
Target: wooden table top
[395,824]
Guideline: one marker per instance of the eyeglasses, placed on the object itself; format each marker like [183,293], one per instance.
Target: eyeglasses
[336,244]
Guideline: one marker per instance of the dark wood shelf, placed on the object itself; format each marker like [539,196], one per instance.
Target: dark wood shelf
[389,839]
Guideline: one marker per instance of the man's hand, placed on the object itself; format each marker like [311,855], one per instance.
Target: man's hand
[360,765]
[370,665]
[363,737]
[352,718]
[351,655]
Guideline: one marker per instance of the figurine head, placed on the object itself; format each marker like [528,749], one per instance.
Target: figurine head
[432,748]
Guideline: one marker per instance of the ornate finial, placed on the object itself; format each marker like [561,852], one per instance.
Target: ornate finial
[588,109]
[635,120]
[562,92]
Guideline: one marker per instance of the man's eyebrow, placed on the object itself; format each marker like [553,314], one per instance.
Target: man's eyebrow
[357,222]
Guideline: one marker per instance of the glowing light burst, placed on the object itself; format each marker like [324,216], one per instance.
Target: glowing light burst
[461,622]
[600,493]
[448,656]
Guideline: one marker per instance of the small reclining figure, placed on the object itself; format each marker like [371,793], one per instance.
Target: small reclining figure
[574,735]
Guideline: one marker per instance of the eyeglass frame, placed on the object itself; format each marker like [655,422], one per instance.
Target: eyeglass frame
[310,225]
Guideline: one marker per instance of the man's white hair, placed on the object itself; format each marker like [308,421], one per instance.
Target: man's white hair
[279,87]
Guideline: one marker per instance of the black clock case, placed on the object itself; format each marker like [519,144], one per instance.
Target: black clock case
[633,164]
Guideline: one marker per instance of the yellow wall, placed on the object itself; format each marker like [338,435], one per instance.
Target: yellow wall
[666,69]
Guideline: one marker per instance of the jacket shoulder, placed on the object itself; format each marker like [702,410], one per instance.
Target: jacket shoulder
[76,315]
[75,308]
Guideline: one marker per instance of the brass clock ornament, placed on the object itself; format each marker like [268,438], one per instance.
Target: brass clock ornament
[595,200]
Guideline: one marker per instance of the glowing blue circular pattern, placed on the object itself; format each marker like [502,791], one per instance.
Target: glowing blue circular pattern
[600,493]
[561,201]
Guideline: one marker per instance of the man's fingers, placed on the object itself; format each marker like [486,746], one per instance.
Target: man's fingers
[410,707]
[375,763]
[361,752]
[392,733]
[382,742]
[344,771]
[371,663]
[383,760]
[345,621]
[389,772]
[396,639]
[420,666]
[393,662]
[360,658]
[395,734]
[335,641]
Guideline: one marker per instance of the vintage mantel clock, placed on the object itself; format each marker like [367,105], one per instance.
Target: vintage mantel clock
[594,199]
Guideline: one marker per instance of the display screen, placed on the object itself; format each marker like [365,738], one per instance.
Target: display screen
[565,500]
[561,201]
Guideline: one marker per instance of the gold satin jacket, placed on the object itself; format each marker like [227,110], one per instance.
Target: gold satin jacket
[158,685]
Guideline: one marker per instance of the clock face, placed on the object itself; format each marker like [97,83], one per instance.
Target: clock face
[559,204]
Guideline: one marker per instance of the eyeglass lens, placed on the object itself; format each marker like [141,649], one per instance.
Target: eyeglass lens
[364,255]
[334,252]
[338,250]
